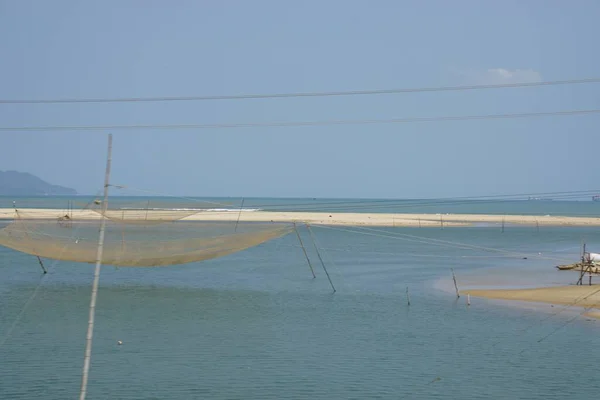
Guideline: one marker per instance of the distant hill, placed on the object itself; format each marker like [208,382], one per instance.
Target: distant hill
[15,183]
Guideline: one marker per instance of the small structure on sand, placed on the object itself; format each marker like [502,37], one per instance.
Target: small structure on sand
[589,264]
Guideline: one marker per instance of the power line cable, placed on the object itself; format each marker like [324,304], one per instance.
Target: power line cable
[348,204]
[431,241]
[299,94]
[303,123]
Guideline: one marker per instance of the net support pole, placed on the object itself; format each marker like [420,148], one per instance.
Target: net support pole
[455,285]
[42,264]
[90,330]
[38,257]
[583,263]
[239,215]
[304,251]
[319,255]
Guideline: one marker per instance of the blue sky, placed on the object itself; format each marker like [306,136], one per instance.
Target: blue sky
[70,49]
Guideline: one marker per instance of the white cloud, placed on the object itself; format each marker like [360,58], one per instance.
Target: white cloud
[503,75]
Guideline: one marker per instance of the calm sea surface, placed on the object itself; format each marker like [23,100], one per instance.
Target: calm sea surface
[456,206]
[255,325]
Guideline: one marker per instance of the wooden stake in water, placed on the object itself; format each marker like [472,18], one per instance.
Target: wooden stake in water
[407,296]
[319,255]
[90,331]
[17,216]
[455,285]
[42,264]
[468,299]
[239,215]
[304,251]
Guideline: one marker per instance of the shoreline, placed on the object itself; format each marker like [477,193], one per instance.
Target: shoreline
[317,218]
[585,296]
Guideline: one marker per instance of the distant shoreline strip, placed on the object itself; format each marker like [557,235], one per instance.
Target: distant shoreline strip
[319,218]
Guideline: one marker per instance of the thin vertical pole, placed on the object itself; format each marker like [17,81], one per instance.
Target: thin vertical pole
[304,250]
[407,296]
[455,285]
[27,234]
[147,208]
[503,224]
[240,214]
[90,331]
[319,255]
[42,264]
[583,262]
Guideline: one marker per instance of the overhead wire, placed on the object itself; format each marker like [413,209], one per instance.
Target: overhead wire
[298,94]
[425,240]
[562,113]
[342,204]
[165,194]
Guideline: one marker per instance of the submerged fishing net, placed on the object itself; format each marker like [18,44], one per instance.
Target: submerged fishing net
[145,213]
[133,241]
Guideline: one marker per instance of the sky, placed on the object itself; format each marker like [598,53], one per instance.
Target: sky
[74,49]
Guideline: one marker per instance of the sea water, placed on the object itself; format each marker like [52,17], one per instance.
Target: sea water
[256,325]
[499,206]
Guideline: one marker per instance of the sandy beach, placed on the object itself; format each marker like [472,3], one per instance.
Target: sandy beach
[576,296]
[322,218]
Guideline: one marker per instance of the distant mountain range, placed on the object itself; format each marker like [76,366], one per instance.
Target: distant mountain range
[13,183]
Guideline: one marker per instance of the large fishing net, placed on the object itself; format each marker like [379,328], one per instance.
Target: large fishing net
[133,237]
[143,213]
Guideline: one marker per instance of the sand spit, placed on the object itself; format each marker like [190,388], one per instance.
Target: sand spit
[577,296]
[324,218]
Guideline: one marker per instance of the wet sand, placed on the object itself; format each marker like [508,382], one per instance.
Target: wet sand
[577,296]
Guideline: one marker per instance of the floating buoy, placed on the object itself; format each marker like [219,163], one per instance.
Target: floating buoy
[119,342]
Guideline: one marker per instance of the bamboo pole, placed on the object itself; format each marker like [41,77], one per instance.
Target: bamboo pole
[90,331]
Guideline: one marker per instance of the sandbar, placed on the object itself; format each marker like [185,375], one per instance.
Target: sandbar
[322,218]
[573,295]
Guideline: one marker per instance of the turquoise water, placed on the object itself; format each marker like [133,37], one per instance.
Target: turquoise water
[255,325]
